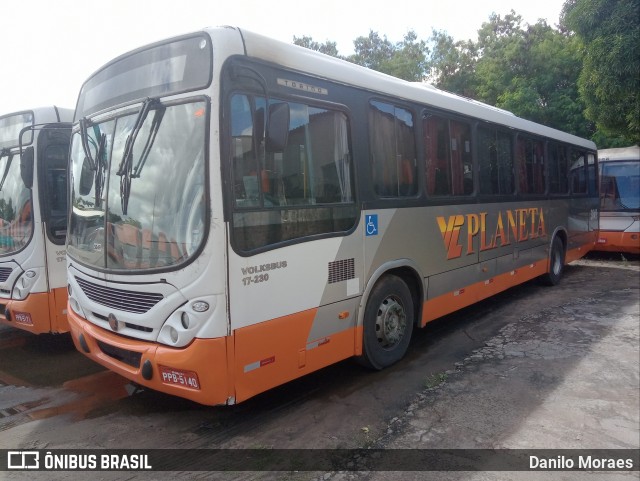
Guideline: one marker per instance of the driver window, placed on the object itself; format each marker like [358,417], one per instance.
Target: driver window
[55,161]
[247,134]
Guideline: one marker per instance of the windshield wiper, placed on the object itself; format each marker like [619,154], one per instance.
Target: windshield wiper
[101,167]
[9,155]
[125,169]
[153,131]
[84,137]
[4,152]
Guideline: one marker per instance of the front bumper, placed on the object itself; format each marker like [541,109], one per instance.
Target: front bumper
[146,363]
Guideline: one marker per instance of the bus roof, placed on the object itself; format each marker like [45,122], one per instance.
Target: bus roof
[46,114]
[621,153]
[324,66]
[229,40]
[11,124]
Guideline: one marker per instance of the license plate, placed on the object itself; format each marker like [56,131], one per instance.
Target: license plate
[23,318]
[179,377]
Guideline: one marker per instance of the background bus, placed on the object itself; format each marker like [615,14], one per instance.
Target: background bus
[33,218]
[269,211]
[619,200]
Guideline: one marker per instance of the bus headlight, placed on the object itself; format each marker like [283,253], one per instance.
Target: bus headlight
[184,319]
[74,304]
[75,307]
[24,284]
[184,323]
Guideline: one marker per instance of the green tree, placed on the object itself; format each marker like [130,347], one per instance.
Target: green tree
[409,59]
[544,87]
[500,56]
[452,64]
[328,48]
[406,59]
[530,70]
[372,51]
[610,77]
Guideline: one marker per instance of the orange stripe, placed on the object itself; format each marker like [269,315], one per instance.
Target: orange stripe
[36,306]
[261,356]
[58,309]
[274,352]
[207,357]
[256,358]
[618,242]
[458,299]
[577,253]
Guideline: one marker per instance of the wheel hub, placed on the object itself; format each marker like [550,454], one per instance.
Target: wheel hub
[391,322]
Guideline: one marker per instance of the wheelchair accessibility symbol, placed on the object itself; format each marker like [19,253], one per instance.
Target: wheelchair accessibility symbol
[372,224]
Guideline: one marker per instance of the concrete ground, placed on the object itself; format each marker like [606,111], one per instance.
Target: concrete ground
[532,368]
[565,377]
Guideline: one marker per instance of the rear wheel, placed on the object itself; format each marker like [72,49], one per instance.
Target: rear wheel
[388,323]
[556,264]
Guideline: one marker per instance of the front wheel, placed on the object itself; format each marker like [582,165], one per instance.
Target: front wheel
[556,264]
[388,323]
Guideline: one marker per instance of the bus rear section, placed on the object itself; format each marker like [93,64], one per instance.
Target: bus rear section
[33,217]
[619,200]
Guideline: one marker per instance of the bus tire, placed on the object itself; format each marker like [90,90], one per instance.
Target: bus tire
[388,323]
[556,264]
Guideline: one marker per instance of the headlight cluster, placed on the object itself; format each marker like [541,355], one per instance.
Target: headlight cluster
[184,323]
[73,302]
[24,284]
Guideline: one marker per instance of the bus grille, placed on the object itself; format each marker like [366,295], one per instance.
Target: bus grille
[5,272]
[128,324]
[129,301]
[131,358]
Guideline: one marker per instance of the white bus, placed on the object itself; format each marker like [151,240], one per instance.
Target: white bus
[619,200]
[246,211]
[34,155]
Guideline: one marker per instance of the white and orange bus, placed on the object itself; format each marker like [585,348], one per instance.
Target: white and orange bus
[619,200]
[34,155]
[245,212]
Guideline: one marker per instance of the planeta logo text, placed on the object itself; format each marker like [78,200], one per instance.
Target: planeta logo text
[517,225]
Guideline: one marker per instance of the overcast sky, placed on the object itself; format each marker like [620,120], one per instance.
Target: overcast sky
[48,48]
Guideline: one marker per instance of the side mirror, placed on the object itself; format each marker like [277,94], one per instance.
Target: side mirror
[26,166]
[277,127]
[86,177]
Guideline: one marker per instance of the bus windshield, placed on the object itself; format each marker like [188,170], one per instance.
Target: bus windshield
[138,188]
[10,128]
[620,186]
[16,222]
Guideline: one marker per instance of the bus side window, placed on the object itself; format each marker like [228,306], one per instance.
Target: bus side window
[55,161]
[592,174]
[302,190]
[393,154]
[530,156]
[436,147]
[558,169]
[496,161]
[448,162]
[578,173]
[461,161]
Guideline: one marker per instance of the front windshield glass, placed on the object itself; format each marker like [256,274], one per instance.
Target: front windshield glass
[147,213]
[16,221]
[11,126]
[620,186]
